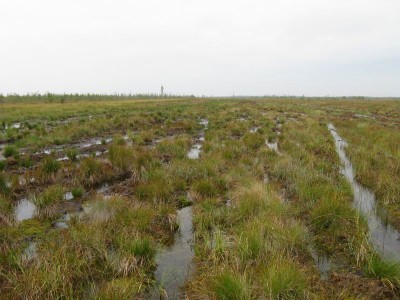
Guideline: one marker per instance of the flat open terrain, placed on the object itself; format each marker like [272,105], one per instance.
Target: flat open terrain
[200,199]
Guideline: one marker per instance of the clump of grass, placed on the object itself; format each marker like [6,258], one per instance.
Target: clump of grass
[137,140]
[388,272]
[52,195]
[121,288]
[284,279]
[231,286]
[4,189]
[331,213]
[3,165]
[50,165]
[119,140]
[147,136]
[251,200]
[11,150]
[184,201]
[25,161]
[77,192]
[173,149]
[253,140]
[121,157]
[142,249]
[157,189]
[90,167]
[209,187]
[5,205]
[72,154]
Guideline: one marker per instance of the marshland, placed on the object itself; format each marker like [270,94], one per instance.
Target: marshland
[199,198]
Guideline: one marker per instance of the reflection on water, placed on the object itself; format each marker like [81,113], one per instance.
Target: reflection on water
[24,210]
[322,263]
[194,153]
[175,265]
[384,237]
[30,252]
[273,146]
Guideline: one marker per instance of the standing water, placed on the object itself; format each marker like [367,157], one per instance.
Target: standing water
[174,265]
[384,237]
[24,210]
[194,153]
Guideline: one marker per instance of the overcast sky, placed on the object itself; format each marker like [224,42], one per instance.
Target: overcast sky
[219,47]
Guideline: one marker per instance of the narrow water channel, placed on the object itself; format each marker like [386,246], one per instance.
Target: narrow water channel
[384,237]
[175,264]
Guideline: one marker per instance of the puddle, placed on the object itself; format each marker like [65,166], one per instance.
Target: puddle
[98,211]
[103,189]
[194,153]
[24,210]
[16,126]
[95,141]
[21,180]
[273,146]
[265,178]
[82,145]
[63,222]
[204,122]
[68,196]
[384,237]
[30,252]
[61,225]
[65,158]
[174,265]
[254,129]
[364,116]
[322,263]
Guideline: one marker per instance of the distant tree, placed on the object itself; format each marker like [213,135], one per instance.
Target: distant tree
[50,97]
[162,90]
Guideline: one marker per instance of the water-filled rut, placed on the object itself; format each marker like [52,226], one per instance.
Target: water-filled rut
[384,237]
[175,264]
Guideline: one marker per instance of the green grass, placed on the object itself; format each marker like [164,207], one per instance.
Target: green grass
[50,165]
[230,286]
[256,213]
[285,280]
[388,272]
[11,150]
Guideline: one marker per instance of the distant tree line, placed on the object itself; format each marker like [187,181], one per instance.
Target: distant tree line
[62,98]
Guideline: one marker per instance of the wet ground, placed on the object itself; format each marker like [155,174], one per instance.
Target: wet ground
[384,237]
[175,264]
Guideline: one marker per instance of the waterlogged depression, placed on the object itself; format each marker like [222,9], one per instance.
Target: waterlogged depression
[24,210]
[194,153]
[175,264]
[384,237]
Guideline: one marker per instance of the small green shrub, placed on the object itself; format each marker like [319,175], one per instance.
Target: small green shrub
[77,192]
[10,150]
[72,154]
[52,195]
[50,165]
